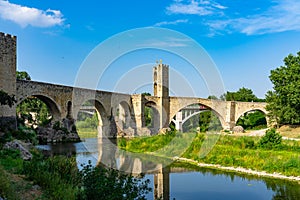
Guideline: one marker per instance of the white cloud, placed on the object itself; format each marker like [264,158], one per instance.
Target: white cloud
[284,16]
[25,16]
[195,7]
[171,22]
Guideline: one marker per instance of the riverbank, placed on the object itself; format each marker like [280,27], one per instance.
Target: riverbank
[240,154]
[238,170]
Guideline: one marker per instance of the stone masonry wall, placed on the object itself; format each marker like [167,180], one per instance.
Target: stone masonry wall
[8,75]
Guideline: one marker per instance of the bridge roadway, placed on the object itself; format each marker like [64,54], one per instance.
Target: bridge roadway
[66,101]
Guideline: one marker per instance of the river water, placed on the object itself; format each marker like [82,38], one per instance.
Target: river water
[177,182]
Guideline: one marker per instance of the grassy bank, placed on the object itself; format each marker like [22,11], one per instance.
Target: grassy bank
[245,152]
[87,132]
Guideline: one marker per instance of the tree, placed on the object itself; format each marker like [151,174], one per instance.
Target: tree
[271,139]
[100,182]
[23,75]
[33,110]
[243,94]
[213,97]
[252,120]
[284,101]
[205,121]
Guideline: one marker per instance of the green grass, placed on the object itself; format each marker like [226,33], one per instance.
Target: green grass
[169,145]
[87,132]
[10,160]
[227,151]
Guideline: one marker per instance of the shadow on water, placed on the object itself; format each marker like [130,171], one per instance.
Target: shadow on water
[178,180]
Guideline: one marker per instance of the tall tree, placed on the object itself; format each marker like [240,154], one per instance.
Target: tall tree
[243,94]
[284,101]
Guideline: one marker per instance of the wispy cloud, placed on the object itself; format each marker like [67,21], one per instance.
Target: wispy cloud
[195,7]
[283,16]
[25,16]
[179,21]
[167,42]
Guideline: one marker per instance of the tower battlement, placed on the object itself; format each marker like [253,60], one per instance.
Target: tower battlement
[7,36]
[161,80]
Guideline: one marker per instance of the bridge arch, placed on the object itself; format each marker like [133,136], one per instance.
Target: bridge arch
[209,104]
[192,115]
[53,107]
[152,116]
[181,118]
[124,114]
[262,110]
[103,126]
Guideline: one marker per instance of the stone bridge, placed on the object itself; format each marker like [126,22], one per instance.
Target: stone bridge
[116,111]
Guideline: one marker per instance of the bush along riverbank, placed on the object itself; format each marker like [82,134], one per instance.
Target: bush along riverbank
[268,155]
[59,178]
[43,177]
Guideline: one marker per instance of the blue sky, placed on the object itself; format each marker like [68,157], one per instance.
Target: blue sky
[245,39]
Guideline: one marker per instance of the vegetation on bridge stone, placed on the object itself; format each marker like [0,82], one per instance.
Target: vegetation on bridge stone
[284,100]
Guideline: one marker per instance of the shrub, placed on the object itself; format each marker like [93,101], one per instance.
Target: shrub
[113,184]
[270,140]
[58,176]
[10,160]
[26,134]
[6,189]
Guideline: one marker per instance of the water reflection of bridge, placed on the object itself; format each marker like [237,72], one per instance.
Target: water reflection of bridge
[111,156]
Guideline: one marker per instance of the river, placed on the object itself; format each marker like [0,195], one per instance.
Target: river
[175,181]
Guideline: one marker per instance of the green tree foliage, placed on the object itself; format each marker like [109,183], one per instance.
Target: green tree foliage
[100,182]
[243,94]
[148,113]
[252,120]
[33,110]
[85,121]
[23,75]
[271,139]
[146,93]
[205,121]
[212,97]
[284,101]
[6,99]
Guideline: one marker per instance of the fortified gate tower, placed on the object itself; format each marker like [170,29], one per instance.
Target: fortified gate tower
[8,78]
[161,90]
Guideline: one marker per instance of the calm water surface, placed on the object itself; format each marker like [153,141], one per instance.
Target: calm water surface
[177,182]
